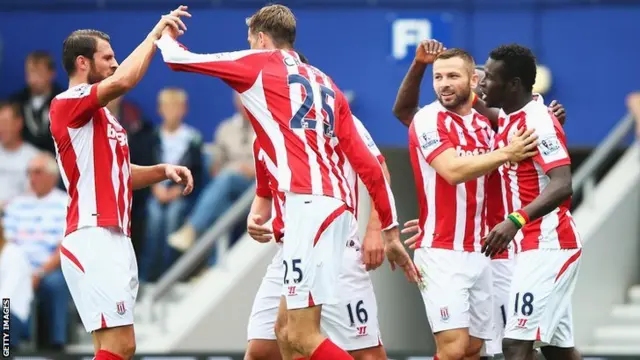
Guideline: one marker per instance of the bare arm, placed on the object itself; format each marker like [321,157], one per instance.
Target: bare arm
[261,206]
[555,193]
[143,176]
[407,99]
[133,68]
[458,169]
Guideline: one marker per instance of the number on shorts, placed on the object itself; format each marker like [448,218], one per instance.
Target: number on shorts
[295,267]
[299,121]
[527,304]
[504,315]
[360,313]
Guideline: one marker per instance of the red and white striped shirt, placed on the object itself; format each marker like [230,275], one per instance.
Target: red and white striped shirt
[267,183]
[451,216]
[93,156]
[523,182]
[495,208]
[301,119]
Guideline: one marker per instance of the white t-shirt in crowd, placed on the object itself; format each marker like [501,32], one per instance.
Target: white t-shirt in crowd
[13,170]
[15,280]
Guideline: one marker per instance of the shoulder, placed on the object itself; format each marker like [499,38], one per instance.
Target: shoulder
[19,203]
[29,150]
[193,134]
[537,116]
[76,92]
[59,196]
[429,117]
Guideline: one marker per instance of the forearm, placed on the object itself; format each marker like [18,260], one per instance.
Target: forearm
[554,194]
[144,176]
[408,97]
[261,206]
[129,73]
[490,113]
[460,169]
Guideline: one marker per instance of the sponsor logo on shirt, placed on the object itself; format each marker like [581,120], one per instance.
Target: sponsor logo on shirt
[430,140]
[119,136]
[477,151]
[550,145]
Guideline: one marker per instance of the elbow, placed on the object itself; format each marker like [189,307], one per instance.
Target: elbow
[403,115]
[452,177]
[567,190]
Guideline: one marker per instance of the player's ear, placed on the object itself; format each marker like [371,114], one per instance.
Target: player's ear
[474,79]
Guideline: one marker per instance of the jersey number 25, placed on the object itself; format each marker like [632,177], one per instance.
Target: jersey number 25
[299,119]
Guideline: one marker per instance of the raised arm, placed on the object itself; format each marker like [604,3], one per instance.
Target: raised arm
[133,68]
[239,69]
[408,97]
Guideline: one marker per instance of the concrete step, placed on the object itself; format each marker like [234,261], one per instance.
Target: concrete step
[633,349]
[627,314]
[615,335]
[634,294]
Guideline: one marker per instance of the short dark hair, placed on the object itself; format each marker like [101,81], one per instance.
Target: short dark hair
[42,56]
[458,53]
[14,106]
[276,21]
[519,62]
[80,43]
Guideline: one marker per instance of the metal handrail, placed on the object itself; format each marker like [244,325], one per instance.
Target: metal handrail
[193,257]
[584,177]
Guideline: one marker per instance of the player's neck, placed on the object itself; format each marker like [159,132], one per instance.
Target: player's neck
[77,79]
[464,109]
[519,101]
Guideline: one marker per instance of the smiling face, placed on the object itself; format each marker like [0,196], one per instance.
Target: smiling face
[453,79]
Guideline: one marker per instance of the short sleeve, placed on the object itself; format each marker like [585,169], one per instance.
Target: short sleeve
[431,134]
[75,107]
[552,147]
[368,140]
[262,175]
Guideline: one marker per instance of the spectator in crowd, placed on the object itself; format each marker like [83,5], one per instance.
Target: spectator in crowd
[15,154]
[142,137]
[633,103]
[179,144]
[15,284]
[34,100]
[36,223]
[232,171]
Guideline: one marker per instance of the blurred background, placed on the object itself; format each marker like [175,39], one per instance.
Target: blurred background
[198,270]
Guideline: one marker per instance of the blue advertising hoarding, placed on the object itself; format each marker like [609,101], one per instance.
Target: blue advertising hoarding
[367,50]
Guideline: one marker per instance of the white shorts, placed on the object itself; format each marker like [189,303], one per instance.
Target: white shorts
[540,297]
[99,266]
[502,271]
[352,324]
[457,290]
[317,228]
